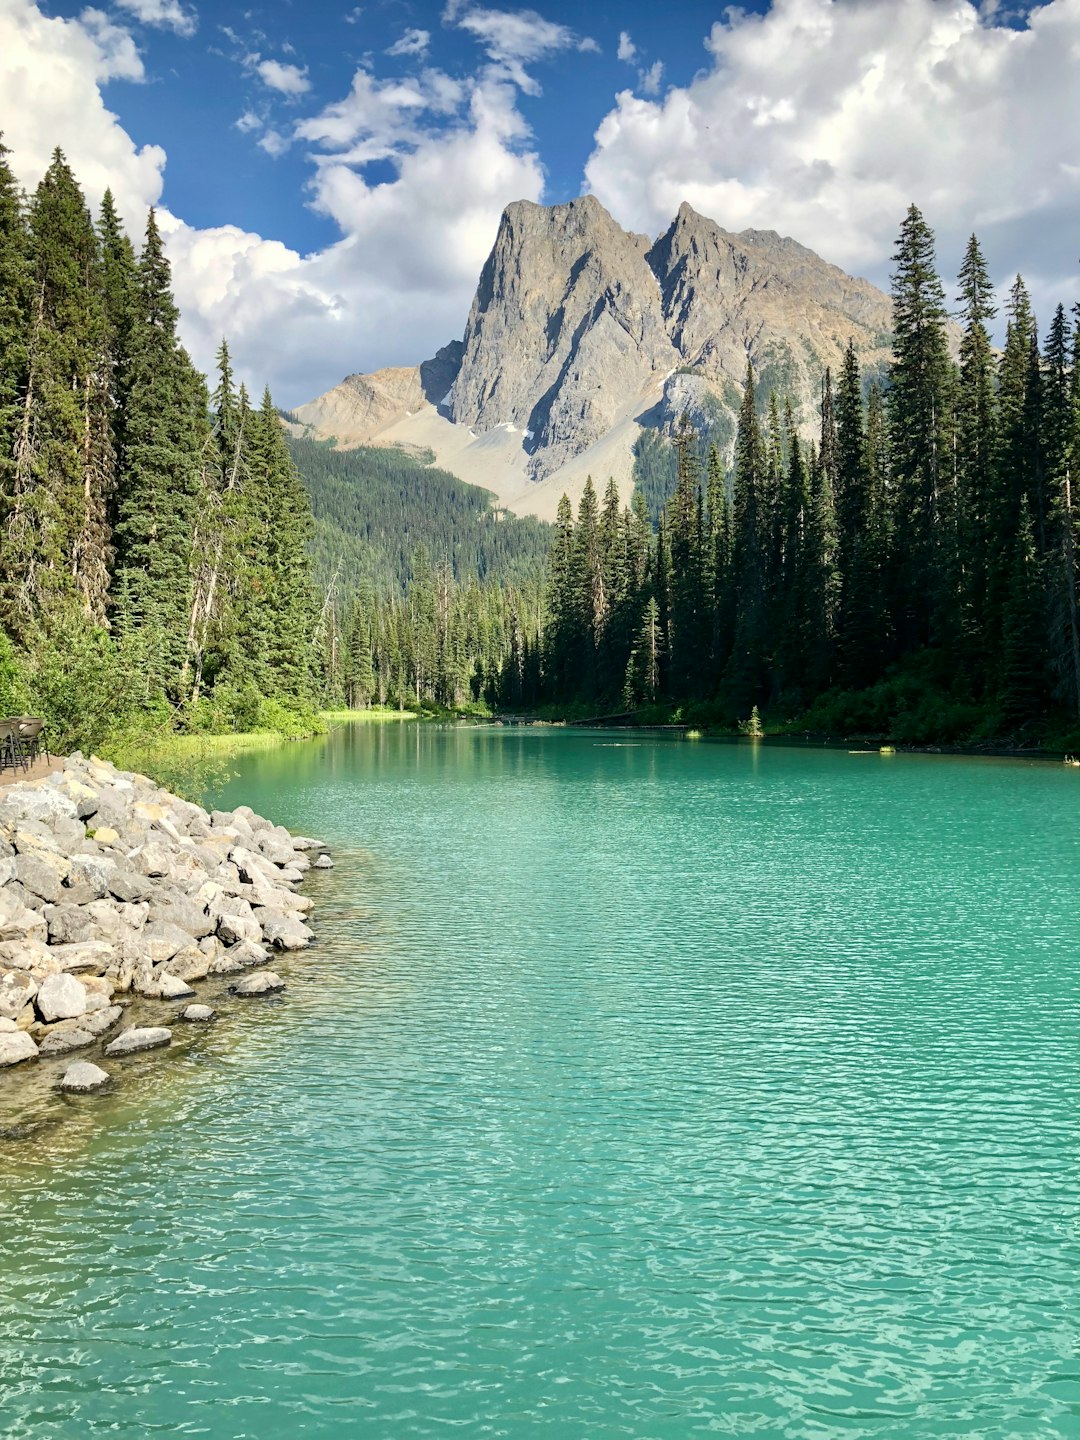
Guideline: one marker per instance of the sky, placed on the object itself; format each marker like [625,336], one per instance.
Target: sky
[329,177]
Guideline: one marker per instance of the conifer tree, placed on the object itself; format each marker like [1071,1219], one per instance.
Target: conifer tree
[977,428]
[165,428]
[745,675]
[920,436]
[15,297]
[686,634]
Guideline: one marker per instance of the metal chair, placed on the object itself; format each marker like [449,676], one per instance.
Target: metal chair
[12,754]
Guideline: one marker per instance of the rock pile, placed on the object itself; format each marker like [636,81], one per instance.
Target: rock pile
[112,888]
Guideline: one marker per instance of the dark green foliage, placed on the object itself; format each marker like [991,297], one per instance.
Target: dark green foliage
[373,506]
[154,558]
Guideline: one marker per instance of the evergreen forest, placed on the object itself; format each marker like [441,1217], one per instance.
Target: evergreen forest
[171,558]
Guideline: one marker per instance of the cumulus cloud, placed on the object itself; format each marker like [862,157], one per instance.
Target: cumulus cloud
[165,14]
[286,79]
[51,74]
[413,42]
[824,120]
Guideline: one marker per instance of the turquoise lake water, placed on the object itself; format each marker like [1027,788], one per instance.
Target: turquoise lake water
[636,1087]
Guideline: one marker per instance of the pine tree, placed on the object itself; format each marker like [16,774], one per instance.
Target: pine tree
[1023,683]
[687,632]
[15,298]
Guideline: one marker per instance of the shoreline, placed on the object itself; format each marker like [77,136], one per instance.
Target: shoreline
[118,899]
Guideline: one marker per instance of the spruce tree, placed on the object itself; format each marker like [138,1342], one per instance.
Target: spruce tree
[161,485]
[15,298]
[744,678]
[920,436]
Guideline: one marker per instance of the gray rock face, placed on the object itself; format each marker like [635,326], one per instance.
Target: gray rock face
[140,1037]
[260,982]
[566,329]
[83,1077]
[61,997]
[14,1048]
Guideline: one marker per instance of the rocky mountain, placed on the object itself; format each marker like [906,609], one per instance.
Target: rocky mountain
[581,334]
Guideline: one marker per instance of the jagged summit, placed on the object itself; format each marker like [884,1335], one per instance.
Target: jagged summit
[581,332]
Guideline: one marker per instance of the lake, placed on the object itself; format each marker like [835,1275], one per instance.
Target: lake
[636,1087]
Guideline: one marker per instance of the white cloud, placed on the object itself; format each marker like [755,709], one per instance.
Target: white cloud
[627,50]
[51,73]
[287,79]
[248,122]
[166,14]
[651,77]
[413,42]
[118,55]
[274,143]
[514,39]
[826,120]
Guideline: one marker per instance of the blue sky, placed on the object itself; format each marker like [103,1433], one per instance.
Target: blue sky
[329,178]
[200,84]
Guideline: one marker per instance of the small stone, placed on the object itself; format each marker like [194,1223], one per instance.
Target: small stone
[260,982]
[198,1014]
[16,1048]
[61,997]
[106,835]
[140,1037]
[83,1077]
[323,863]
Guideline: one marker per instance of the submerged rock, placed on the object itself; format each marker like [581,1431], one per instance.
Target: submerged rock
[198,1014]
[83,1077]
[140,1037]
[60,1041]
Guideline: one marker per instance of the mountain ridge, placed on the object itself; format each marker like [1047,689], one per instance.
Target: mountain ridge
[581,334]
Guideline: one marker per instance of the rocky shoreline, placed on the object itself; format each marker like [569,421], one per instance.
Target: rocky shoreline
[114,891]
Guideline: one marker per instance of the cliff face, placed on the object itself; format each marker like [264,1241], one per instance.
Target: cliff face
[566,326]
[581,331]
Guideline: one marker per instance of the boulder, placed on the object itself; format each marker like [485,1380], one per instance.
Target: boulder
[69,924]
[94,871]
[259,982]
[16,1047]
[139,1037]
[92,955]
[191,963]
[98,1021]
[17,989]
[37,877]
[171,987]
[198,1014]
[152,860]
[184,916]
[237,958]
[106,835]
[160,941]
[17,920]
[29,955]
[284,933]
[130,887]
[236,928]
[36,802]
[276,849]
[305,842]
[63,1039]
[61,997]
[82,1077]
[324,863]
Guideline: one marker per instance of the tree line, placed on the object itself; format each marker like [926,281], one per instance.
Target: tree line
[913,566]
[154,536]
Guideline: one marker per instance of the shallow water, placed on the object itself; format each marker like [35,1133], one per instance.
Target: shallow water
[635,1088]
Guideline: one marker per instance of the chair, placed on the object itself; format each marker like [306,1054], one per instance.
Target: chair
[12,754]
[31,736]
